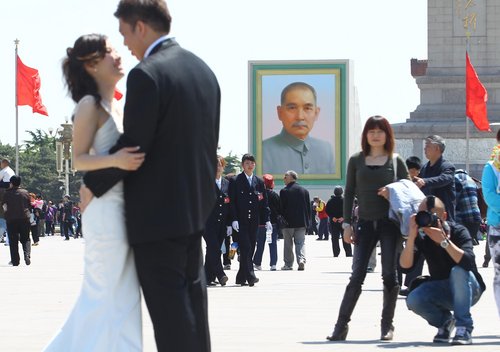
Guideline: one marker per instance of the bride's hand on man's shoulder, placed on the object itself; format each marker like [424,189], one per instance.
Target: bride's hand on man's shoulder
[129,158]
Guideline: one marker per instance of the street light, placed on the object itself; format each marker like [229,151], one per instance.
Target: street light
[64,153]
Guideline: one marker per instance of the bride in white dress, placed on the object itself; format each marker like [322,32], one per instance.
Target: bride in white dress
[107,314]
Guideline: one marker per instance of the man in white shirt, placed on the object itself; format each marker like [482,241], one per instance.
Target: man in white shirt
[6,173]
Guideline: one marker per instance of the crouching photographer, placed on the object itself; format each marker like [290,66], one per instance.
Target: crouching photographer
[454,284]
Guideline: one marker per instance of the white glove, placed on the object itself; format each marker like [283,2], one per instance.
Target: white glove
[236,225]
[229,231]
[269,226]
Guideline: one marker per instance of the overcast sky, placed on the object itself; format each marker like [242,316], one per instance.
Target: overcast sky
[379,36]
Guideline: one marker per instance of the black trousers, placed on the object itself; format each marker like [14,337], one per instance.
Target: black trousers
[214,237]
[338,235]
[173,283]
[247,240]
[19,231]
[34,233]
[225,256]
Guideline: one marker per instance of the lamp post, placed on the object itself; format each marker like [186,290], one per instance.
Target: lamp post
[64,153]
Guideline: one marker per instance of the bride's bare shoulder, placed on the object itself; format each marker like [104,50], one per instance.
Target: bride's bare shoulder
[86,109]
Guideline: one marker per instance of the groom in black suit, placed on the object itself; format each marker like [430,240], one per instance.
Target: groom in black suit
[172,112]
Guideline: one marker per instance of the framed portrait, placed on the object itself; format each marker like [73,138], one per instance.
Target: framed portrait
[298,118]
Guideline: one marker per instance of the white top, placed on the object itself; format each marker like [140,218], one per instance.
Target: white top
[6,173]
[156,42]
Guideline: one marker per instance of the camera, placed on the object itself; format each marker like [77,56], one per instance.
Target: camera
[426,219]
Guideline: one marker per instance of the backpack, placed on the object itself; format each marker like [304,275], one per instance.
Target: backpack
[481,203]
[480,198]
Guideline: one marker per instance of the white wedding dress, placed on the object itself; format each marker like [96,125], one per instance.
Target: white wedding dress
[107,314]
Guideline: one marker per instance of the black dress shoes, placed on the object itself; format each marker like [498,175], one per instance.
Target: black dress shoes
[223,280]
[251,283]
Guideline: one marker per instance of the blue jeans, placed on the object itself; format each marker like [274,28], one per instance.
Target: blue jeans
[3,227]
[261,243]
[323,229]
[433,300]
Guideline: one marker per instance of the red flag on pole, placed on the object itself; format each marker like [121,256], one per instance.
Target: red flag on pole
[28,88]
[118,95]
[476,97]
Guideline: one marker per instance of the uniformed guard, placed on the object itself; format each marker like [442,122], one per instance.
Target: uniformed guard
[248,198]
[217,227]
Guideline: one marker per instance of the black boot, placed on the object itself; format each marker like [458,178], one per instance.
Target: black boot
[390,299]
[349,301]
[339,332]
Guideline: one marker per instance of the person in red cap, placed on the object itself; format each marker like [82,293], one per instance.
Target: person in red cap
[274,205]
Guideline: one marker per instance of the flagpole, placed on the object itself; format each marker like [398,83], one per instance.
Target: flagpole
[16,42]
[467,36]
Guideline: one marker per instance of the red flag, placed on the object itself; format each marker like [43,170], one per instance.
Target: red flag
[28,88]
[118,95]
[476,97]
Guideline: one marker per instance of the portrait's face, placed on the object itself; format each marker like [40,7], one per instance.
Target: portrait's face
[132,39]
[299,112]
[248,167]
[376,137]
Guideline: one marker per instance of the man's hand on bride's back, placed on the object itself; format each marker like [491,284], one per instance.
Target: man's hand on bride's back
[129,158]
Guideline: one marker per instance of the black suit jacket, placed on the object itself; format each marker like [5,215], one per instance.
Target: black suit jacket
[220,215]
[335,207]
[248,204]
[172,112]
[295,205]
[440,182]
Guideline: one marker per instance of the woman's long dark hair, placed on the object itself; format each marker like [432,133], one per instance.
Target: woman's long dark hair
[87,48]
[381,122]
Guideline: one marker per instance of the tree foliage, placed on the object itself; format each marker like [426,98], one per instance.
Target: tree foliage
[37,166]
[233,163]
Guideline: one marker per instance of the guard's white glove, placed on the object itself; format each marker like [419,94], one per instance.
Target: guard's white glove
[236,225]
[229,231]
[269,226]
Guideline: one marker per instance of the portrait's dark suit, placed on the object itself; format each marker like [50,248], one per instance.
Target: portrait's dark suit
[172,112]
[247,202]
[215,232]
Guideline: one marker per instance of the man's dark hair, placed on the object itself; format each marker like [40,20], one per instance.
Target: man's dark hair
[247,157]
[7,161]
[498,135]
[15,180]
[295,85]
[414,162]
[153,12]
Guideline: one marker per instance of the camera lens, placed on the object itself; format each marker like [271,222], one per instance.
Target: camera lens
[423,218]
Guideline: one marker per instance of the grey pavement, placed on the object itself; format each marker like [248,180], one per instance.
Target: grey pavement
[285,311]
